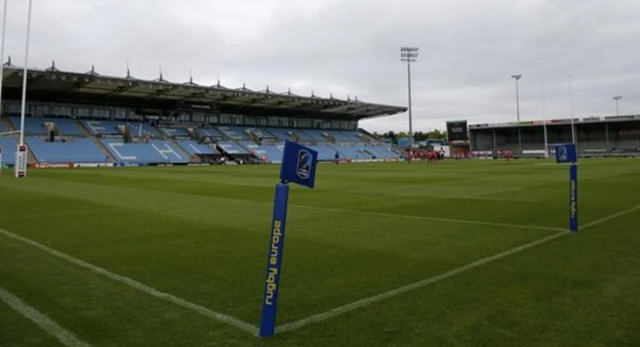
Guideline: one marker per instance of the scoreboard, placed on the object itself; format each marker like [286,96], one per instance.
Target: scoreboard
[457,131]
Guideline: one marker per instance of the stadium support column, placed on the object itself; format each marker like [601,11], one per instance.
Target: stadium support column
[495,143]
[520,140]
[409,54]
[606,135]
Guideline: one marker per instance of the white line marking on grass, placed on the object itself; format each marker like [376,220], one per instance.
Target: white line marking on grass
[139,286]
[45,323]
[435,219]
[394,292]
[613,216]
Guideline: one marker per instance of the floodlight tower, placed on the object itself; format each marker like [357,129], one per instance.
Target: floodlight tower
[409,54]
[517,78]
[617,99]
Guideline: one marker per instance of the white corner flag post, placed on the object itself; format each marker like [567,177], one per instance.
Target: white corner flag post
[20,169]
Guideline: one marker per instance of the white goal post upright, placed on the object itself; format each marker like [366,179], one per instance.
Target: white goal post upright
[20,168]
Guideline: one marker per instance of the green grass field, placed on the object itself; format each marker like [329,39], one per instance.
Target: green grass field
[200,235]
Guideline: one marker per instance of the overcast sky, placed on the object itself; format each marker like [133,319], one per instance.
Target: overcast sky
[468,50]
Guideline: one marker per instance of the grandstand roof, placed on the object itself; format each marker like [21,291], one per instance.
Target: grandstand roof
[551,122]
[99,89]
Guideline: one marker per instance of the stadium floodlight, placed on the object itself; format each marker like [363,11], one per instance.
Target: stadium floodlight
[617,99]
[409,55]
[4,30]
[517,78]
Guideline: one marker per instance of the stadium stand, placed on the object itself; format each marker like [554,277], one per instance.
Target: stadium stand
[234,133]
[32,126]
[273,153]
[211,132]
[193,147]
[67,127]
[343,136]
[76,150]
[231,147]
[325,152]
[141,129]
[175,132]
[101,127]
[283,134]
[156,151]
[313,135]
[8,144]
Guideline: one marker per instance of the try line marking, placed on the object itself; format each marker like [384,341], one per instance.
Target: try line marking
[64,336]
[249,328]
[338,311]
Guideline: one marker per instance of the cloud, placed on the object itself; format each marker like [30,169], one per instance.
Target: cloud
[468,50]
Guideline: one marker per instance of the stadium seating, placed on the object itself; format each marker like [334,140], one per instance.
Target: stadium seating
[273,153]
[211,132]
[8,144]
[282,134]
[67,127]
[77,150]
[313,135]
[345,136]
[193,147]
[36,126]
[234,140]
[156,151]
[352,152]
[141,129]
[103,127]
[325,152]
[175,132]
[234,133]
[231,147]
[32,126]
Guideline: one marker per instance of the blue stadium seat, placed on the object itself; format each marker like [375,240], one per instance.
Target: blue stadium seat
[324,151]
[32,126]
[68,127]
[156,151]
[211,132]
[314,135]
[273,153]
[103,127]
[8,144]
[175,132]
[77,150]
[232,148]
[234,133]
[193,147]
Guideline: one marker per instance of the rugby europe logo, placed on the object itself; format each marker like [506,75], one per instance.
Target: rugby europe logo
[305,163]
